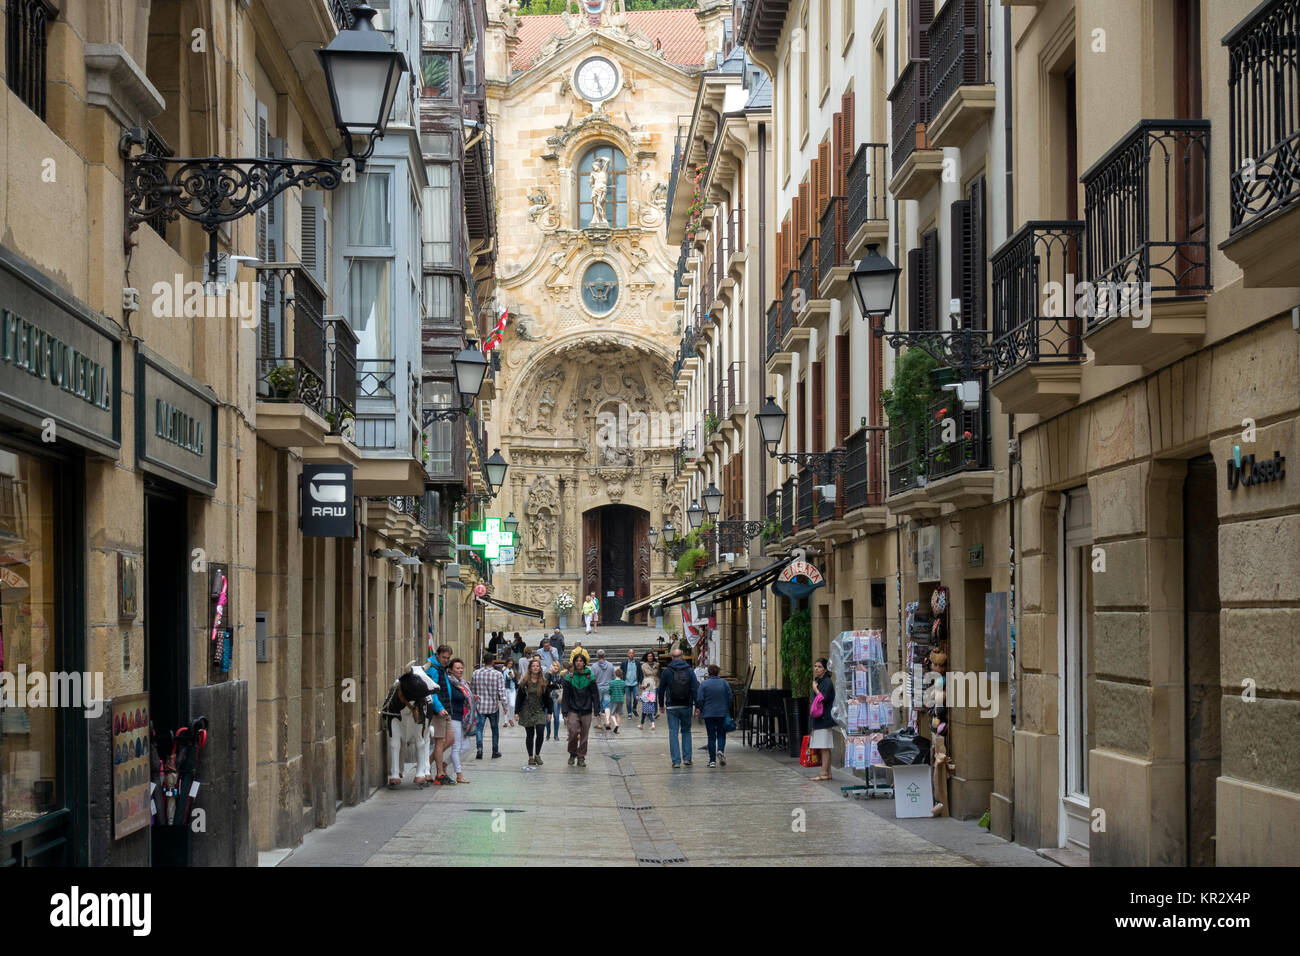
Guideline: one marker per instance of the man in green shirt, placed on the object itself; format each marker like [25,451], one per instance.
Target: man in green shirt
[617,692]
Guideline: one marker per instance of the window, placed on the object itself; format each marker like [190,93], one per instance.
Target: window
[30,783]
[615,166]
[435,75]
[824,27]
[25,35]
[471,66]
[370,306]
[846,23]
[805,78]
[786,79]
[438,292]
[369,219]
[435,144]
[435,22]
[436,221]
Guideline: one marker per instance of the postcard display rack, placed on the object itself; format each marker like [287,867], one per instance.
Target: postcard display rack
[863,712]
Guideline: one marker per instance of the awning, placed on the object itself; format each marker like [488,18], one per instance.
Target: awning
[654,599]
[753,581]
[694,591]
[520,609]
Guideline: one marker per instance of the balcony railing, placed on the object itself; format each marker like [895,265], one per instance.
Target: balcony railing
[1263,113]
[832,235]
[909,106]
[787,300]
[1146,212]
[376,431]
[1029,326]
[342,13]
[376,378]
[787,505]
[773,513]
[906,458]
[808,266]
[735,231]
[868,197]
[805,498]
[729,385]
[863,478]
[956,50]
[679,274]
[341,353]
[773,329]
[300,375]
[969,451]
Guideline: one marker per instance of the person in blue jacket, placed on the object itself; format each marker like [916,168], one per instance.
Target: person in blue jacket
[436,667]
[713,705]
[678,686]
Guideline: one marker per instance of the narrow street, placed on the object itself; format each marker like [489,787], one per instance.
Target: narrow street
[628,807]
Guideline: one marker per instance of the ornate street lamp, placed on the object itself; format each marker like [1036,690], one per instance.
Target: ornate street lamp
[363,73]
[470,366]
[496,471]
[712,500]
[771,424]
[670,533]
[695,515]
[511,523]
[875,280]
[652,534]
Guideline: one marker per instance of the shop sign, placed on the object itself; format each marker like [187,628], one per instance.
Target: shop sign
[1247,471]
[327,501]
[60,364]
[798,579]
[976,556]
[491,539]
[175,424]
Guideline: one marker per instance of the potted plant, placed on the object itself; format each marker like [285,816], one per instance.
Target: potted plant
[796,662]
[771,531]
[563,605]
[282,379]
[693,557]
[710,424]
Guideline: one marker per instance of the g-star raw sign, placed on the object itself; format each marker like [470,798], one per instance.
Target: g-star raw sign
[1250,472]
[327,501]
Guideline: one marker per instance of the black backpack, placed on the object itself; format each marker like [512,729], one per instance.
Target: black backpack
[679,691]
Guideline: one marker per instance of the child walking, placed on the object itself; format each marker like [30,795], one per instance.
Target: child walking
[617,691]
[648,703]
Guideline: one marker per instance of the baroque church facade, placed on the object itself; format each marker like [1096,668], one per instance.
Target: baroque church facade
[585,107]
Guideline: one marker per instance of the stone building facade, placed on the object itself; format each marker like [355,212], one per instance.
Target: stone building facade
[586,409]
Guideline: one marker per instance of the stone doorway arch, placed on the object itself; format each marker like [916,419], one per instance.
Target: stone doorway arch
[615,557]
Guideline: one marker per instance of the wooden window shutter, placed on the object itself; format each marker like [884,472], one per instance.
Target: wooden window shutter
[876,345]
[979,254]
[962,277]
[803,406]
[824,168]
[919,15]
[930,279]
[846,107]
[819,406]
[737,502]
[914,305]
[804,203]
[780,254]
[841,170]
[843,388]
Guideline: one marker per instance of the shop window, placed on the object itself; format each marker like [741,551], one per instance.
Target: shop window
[29,735]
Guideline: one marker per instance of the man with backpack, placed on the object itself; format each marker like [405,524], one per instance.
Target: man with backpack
[678,687]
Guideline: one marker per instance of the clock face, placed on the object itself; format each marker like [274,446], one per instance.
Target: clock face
[596,79]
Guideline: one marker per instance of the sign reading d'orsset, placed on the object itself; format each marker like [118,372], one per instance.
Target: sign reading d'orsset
[1251,472]
[175,424]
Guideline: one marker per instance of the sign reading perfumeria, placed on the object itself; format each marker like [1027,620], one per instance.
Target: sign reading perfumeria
[176,424]
[59,362]
[327,501]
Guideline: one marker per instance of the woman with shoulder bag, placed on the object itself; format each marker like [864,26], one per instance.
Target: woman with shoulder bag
[822,721]
[461,709]
[532,705]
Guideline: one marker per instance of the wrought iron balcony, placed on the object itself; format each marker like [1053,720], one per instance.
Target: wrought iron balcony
[787,300]
[1028,327]
[730,384]
[295,374]
[862,481]
[970,449]
[868,197]
[1146,212]
[773,329]
[806,481]
[376,378]
[808,265]
[773,513]
[910,108]
[906,458]
[956,51]
[788,493]
[341,353]
[341,10]
[831,252]
[1264,114]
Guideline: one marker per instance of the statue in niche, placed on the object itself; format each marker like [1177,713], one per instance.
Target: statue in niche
[541,534]
[546,406]
[599,187]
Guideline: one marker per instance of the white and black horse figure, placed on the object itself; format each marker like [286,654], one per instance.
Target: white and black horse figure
[408,719]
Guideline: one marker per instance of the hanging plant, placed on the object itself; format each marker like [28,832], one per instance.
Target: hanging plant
[689,560]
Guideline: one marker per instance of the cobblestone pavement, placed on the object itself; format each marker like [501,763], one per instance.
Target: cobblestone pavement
[627,807]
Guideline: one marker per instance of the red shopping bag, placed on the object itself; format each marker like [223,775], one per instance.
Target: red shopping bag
[809,758]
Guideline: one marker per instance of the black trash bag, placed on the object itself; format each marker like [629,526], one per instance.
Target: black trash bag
[903,748]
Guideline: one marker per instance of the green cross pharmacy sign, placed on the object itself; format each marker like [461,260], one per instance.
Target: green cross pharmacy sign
[491,539]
